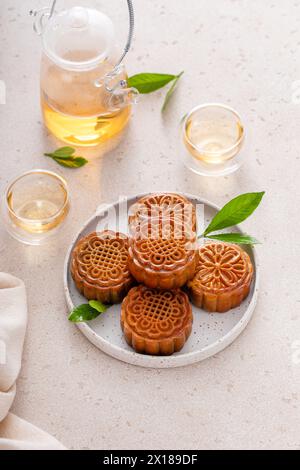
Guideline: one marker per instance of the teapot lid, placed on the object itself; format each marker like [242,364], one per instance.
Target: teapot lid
[78,38]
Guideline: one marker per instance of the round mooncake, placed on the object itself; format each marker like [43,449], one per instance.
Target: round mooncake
[160,256]
[169,206]
[223,277]
[156,322]
[99,266]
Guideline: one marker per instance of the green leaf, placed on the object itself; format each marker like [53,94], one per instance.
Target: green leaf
[71,162]
[83,313]
[235,211]
[149,82]
[64,156]
[171,91]
[64,152]
[235,238]
[99,306]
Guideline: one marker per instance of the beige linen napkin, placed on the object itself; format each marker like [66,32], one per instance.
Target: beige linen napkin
[15,433]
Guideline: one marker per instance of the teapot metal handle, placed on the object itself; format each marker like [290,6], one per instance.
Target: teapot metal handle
[130,34]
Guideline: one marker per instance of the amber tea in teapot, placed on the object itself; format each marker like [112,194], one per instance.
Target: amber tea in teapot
[84,94]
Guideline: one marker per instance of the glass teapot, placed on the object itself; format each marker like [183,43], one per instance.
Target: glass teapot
[84,94]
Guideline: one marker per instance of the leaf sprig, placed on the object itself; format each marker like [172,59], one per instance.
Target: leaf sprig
[234,212]
[64,156]
[170,92]
[149,82]
[87,312]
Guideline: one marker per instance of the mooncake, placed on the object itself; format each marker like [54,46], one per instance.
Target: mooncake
[99,266]
[223,277]
[169,206]
[156,322]
[160,256]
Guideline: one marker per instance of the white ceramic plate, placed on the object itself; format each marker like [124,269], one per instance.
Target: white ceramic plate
[211,332]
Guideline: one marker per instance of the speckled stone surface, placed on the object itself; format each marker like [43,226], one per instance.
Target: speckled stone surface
[243,53]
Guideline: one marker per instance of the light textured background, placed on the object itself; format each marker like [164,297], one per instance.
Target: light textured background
[241,52]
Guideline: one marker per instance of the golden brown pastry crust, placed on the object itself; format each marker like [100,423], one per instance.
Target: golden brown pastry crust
[156,322]
[223,277]
[169,206]
[160,257]
[99,266]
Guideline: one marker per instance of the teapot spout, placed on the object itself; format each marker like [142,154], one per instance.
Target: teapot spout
[119,95]
[122,97]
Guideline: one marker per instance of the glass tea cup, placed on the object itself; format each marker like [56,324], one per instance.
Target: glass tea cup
[34,206]
[213,135]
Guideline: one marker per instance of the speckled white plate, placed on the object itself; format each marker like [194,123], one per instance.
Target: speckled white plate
[211,332]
